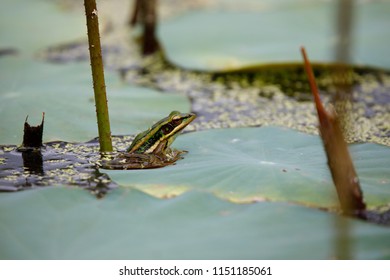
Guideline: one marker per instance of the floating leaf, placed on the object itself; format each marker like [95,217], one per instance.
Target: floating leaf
[233,39]
[127,224]
[249,164]
[32,25]
[67,223]
[65,94]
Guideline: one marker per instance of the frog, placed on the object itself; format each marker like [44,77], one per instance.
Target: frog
[152,147]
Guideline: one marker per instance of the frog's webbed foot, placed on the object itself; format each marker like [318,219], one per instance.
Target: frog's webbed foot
[174,155]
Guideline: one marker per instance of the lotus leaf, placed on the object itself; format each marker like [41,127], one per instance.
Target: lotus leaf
[215,40]
[266,163]
[65,94]
[66,223]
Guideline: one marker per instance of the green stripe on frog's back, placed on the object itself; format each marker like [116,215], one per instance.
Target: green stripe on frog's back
[164,130]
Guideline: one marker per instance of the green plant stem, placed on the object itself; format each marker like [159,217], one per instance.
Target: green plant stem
[98,76]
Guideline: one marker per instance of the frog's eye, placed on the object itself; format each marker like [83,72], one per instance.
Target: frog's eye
[176,121]
[166,129]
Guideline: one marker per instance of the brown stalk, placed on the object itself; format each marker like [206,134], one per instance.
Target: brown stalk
[32,136]
[145,13]
[339,160]
[135,14]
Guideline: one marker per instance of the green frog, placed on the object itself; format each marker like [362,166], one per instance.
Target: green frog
[151,148]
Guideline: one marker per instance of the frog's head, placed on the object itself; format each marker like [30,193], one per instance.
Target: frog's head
[161,135]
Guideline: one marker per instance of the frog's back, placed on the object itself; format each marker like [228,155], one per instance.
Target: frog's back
[137,142]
